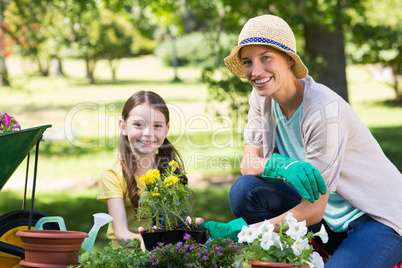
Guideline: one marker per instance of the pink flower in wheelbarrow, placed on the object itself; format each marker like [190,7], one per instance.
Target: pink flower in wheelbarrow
[8,123]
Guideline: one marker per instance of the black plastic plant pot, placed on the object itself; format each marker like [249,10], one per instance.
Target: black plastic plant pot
[151,239]
[171,237]
[200,236]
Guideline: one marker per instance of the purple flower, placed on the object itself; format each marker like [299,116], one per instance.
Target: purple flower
[6,119]
[204,258]
[199,255]
[186,236]
[179,244]
[8,123]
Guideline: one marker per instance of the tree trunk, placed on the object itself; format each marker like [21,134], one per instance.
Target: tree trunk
[328,48]
[113,67]
[43,66]
[90,64]
[395,73]
[56,67]
[4,80]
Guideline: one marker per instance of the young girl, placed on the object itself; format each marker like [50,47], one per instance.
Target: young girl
[143,145]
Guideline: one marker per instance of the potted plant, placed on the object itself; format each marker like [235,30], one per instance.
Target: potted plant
[128,255]
[8,123]
[167,201]
[217,253]
[290,247]
[187,253]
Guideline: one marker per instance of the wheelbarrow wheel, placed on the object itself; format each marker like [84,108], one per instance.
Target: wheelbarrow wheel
[10,224]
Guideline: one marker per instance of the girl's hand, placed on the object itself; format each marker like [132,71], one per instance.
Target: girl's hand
[142,245]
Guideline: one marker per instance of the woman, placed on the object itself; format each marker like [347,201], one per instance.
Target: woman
[329,169]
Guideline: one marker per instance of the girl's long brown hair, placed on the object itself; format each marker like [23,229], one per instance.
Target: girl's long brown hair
[167,152]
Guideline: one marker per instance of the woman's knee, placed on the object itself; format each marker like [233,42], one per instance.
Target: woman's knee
[240,191]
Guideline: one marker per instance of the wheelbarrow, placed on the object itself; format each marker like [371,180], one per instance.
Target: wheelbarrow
[14,148]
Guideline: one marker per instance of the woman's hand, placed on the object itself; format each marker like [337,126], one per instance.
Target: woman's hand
[198,221]
[302,175]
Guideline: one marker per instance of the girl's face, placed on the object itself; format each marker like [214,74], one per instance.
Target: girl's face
[266,68]
[145,128]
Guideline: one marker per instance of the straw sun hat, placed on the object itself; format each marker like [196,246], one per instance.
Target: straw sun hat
[266,30]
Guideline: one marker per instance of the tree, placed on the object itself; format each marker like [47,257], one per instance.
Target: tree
[168,16]
[117,36]
[4,79]
[82,18]
[24,20]
[376,37]
[318,27]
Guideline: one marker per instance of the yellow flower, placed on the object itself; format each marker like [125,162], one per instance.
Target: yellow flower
[151,175]
[169,181]
[155,194]
[173,164]
[144,179]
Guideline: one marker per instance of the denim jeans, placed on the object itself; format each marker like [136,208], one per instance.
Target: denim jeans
[367,243]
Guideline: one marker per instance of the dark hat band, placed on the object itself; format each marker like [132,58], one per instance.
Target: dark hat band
[265,41]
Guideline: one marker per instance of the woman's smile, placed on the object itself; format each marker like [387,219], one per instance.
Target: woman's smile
[262,82]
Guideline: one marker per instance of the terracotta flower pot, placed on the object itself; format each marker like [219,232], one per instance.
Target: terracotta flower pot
[51,248]
[259,264]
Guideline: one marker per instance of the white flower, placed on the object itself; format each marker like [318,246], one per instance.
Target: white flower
[250,234]
[266,227]
[277,240]
[266,241]
[316,260]
[290,219]
[242,234]
[297,229]
[322,234]
[299,245]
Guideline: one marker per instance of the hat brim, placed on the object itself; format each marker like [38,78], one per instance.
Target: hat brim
[234,65]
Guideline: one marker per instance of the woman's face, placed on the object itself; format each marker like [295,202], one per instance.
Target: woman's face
[267,69]
[145,128]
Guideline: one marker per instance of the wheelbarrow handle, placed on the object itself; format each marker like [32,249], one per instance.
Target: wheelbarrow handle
[11,249]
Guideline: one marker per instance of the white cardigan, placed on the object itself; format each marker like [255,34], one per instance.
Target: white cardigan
[340,146]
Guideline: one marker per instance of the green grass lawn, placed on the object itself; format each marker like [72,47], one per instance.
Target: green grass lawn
[88,116]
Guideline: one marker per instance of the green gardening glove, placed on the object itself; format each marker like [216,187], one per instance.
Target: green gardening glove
[224,230]
[302,175]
